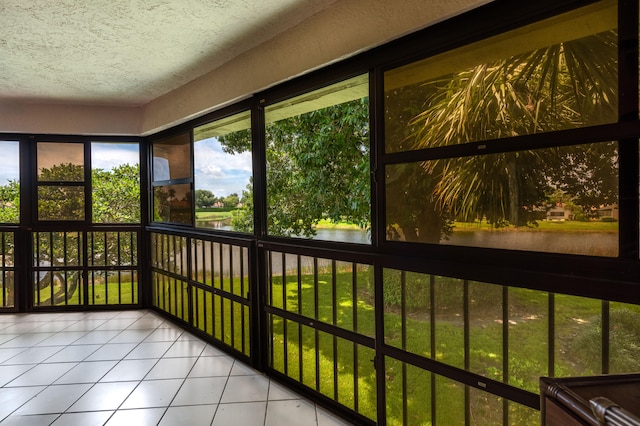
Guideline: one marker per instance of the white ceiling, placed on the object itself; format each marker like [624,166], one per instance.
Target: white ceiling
[129,52]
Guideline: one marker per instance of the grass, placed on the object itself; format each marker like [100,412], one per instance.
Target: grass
[113,293]
[344,371]
[542,226]
[329,224]
[576,327]
[214,215]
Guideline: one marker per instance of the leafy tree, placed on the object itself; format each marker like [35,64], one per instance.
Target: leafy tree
[204,198]
[116,194]
[317,168]
[10,202]
[243,217]
[169,207]
[61,202]
[231,200]
[563,86]
[115,199]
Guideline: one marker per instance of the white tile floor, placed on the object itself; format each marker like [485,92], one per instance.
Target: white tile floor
[132,368]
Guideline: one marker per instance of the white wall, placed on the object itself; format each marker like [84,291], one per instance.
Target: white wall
[342,30]
[16,117]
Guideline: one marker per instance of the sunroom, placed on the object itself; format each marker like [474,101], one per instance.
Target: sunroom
[358,202]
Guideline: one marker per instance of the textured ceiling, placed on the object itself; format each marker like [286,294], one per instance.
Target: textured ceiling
[128,52]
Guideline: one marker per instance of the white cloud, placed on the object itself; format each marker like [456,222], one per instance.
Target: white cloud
[109,155]
[219,172]
[9,161]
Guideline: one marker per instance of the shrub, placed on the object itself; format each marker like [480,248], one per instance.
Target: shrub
[624,342]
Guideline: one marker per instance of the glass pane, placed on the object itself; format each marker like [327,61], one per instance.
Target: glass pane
[223,174]
[61,203]
[486,409]
[624,338]
[60,162]
[510,200]
[115,174]
[172,203]
[556,74]
[55,249]
[448,307]
[578,336]
[528,328]
[172,158]
[485,330]
[407,302]
[52,284]
[318,164]
[10,182]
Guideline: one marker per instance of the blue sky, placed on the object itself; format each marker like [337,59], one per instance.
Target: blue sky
[219,172]
[215,170]
[103,155]
[9,159]
[109,155]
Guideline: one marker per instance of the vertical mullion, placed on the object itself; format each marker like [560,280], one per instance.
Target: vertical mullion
[242,266]
[232,303]
[105,235]
[162,253]
[300,354]
[334,305]
[82,274]
[222,298]
[134,261]
[606,322]
[505,350]
[119,251]
[432,313]
[214,319]
[119,242]
[120,287]
[188,273]
[194,255]
[467,345]
[91,276]
[285,328]
[316,315]
[195,296]
[176,259]
[170,292]
[66,262]
[92,285]
[37,264]
[51,257]
[354,302]
[403,337]
[628,225]
[270,303]
[552,335]
[4,273]
[242,320]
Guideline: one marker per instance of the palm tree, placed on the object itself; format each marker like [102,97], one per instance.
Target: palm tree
[566,85]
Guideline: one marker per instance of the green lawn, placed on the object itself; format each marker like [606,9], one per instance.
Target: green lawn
[213,215]
[542,226]
[576,328]
[336,367]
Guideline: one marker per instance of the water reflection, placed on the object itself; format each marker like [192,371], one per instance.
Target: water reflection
[222,225]
[585,243]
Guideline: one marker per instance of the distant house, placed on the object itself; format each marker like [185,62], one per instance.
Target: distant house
[559,212]
[609,210]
